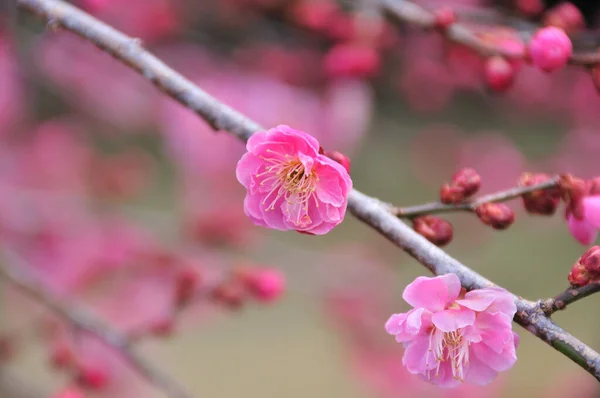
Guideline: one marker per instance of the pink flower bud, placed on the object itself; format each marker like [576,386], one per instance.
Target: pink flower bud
[94,378]
[573,191]
[232,294]
[499,73]
[340,158]
[565,16]
[496,215]
[314,15]
[542,202]
[352,60]
[578,276]
[435,229]
[550,49]
[464,184]
[444,17]
[529,8]
[266,285]
[163,327]
[186,283]
[591,261]
[70,392]
[61,356]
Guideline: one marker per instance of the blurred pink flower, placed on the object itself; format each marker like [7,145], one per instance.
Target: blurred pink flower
[451,338]
[291,186]
[586,230]
[12,93]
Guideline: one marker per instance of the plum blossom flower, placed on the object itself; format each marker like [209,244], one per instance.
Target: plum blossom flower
[290,185]
[451,337]
[585,230]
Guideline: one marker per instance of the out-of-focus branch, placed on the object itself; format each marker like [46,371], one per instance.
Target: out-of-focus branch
[501,196]
[86,322]
[369,210]
[569,296]
[406,12]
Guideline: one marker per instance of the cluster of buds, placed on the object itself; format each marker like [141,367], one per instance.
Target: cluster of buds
[586,269]
[565,16]
[262,284]
[543,201]
[464,184]
[340,158]
[435,229]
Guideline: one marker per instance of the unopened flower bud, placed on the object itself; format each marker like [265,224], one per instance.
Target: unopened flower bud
[578,276]
[435,229]
[499,73]
[565,16]
[94,378]
[573,191]
[496,215]
[340,158]
[61,355]
[543,201]
[463,185]
[186,283]
[266,285]
[550,49]
[444,17]
[591,261]
[230,293]
[163,327]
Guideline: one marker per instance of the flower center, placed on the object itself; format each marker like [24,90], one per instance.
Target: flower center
[287,177]
[448,346]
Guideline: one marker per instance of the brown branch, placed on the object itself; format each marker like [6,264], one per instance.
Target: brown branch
[501,196]
[367,209]
[406,12]
[569,296]
[85,321]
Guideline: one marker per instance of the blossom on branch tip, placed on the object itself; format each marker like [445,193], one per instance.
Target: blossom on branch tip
[452,337]
[550,49]
[290,185]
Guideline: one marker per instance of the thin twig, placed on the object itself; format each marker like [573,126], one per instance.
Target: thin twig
[85,321]
[365,208]
[407,12]
[501,196]
[569,296]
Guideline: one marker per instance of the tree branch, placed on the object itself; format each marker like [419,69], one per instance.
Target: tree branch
[83,320]
[406,12]
[569,296]
[371,211]
[501,196]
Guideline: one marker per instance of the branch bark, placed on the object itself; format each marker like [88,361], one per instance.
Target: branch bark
[569,296]
[369,210]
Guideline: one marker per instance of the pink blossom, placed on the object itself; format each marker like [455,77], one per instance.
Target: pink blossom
[451,337]
[290,185]
[550,49]
[586,230]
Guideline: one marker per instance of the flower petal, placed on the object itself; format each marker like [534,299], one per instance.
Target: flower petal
[591,206]
[434,294]
[480,373]
[497,361]
[453,319]
[582,230]
[491,299]
[408,326]
[496,330]
[417,358]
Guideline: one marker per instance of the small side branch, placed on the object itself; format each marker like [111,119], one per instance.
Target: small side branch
[569,296]
[501,196]
[85,321]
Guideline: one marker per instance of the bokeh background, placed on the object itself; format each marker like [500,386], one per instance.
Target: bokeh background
[96,167]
